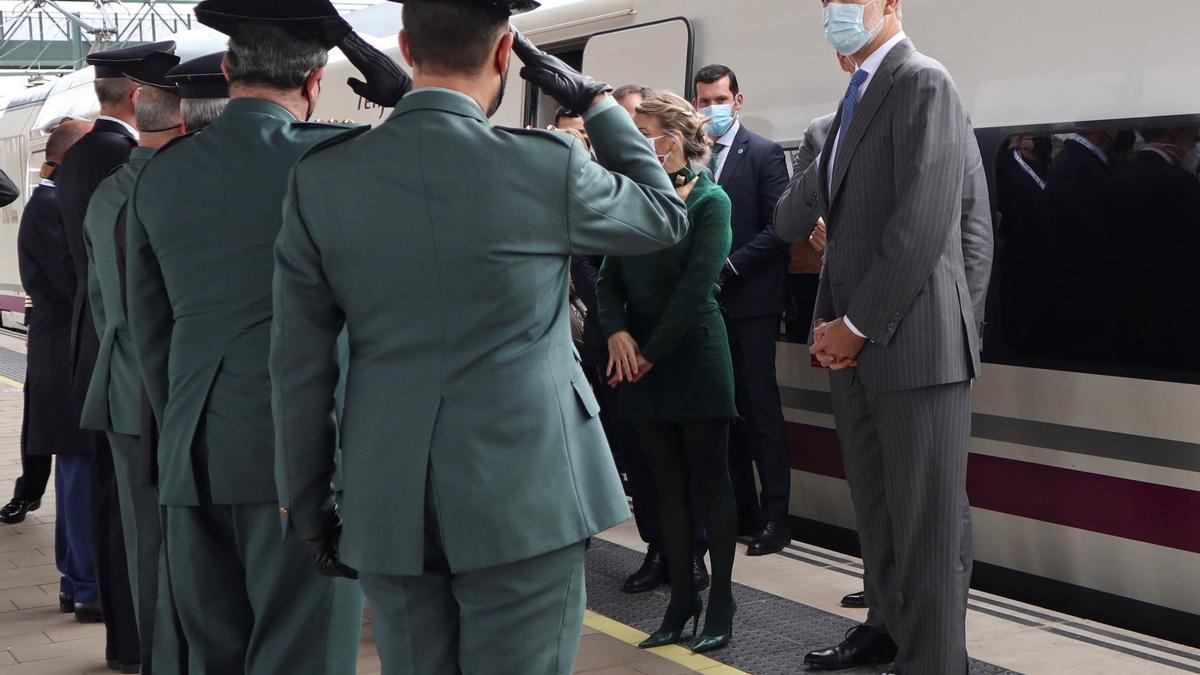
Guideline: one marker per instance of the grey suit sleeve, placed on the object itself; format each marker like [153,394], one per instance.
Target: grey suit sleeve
[799,208]
[8,190]
[977,233]
[625,204]
[304,374]
[928,131]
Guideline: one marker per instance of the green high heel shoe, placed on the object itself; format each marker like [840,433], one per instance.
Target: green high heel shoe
[709,643]
[666,636]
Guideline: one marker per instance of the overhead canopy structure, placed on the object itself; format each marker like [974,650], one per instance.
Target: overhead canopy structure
[53,36]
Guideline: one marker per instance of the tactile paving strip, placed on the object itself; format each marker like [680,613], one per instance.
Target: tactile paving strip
[771,635]
[12,364]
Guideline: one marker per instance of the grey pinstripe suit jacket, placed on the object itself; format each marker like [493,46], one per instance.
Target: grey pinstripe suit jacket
[902,261]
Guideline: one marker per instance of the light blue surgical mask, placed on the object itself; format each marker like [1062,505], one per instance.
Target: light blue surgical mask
[844,28]
[720,118]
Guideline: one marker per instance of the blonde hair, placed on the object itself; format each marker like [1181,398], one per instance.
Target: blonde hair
[675,114]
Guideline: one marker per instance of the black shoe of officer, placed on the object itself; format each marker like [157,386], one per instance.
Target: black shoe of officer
[863,646]
[124,667]
[88,612]
[66,603]
[14,511]
[855,600]
[700,580]
[773,538]
[650,575]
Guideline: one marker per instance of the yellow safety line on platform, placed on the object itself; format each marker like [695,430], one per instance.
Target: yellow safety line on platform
[673,653]
[11,382]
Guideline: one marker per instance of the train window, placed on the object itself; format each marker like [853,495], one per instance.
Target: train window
[656,55]
[1097,231]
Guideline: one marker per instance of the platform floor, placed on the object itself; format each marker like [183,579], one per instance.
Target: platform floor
[787,605]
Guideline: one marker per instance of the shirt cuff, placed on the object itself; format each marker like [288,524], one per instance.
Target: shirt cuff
[604,104]
[852,328]
[729,264]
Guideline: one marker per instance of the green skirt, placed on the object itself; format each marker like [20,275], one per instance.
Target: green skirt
[694,382]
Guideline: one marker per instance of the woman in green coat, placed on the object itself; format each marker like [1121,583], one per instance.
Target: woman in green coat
[669,353]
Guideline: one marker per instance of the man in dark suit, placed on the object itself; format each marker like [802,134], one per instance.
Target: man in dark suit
[900,311]
[753,171]
[88,163]
[49,279]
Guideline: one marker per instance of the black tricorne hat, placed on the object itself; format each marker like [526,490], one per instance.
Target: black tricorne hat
[508,7]
[123,62]
[201,77]
[318,18]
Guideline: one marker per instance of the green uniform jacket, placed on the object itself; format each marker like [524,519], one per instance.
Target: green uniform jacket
[201,225]
[668,303]
[114,397]
[443,244]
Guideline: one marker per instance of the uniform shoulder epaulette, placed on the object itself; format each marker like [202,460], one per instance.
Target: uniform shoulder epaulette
[558,137]
[347,134]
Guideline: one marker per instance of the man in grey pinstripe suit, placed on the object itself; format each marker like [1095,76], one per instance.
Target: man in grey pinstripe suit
[899,321]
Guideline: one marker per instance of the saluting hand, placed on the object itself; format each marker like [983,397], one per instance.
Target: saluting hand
[386,83]
[572,89]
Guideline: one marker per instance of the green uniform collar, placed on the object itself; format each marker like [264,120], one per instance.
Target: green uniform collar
[141,155]
[259,106]
[437,98]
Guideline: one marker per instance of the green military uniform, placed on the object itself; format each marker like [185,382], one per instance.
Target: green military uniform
[201,225]
[474,464]
[113,405]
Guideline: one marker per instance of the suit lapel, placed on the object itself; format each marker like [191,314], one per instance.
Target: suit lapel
[736,151]
[877,92]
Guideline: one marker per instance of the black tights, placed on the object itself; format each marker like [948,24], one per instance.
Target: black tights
[695,454]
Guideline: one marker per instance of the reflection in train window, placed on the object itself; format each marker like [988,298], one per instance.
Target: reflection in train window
[1097,238]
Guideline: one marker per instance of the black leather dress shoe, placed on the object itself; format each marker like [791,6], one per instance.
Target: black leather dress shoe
[14,511]
[124,667]
[700,578]
[88,612]
[773,538]
[649,576]
[862,647]
[855,600]
[66,603]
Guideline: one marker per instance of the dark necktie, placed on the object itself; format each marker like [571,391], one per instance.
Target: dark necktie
[851,101]
[716,158]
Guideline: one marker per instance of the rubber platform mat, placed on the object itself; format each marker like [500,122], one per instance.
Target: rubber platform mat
[771,635]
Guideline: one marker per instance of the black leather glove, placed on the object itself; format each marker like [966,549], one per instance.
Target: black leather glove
[386,82]
[572,89]
[324,552]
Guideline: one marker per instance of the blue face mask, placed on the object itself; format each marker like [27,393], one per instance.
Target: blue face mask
[844,27]
[720,118]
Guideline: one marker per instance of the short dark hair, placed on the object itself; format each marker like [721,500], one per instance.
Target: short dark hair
[714,73]
[273,56]
[563,112]
[113,90]
[628,90]
[447,38]
[63,137]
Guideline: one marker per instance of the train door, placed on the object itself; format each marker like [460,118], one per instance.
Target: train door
[656,55]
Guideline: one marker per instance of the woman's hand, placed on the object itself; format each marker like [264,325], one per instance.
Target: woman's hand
[622,358]
[643,366]
[685,191]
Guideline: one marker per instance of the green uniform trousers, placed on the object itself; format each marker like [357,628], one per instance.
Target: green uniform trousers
[523,618]
[250,600]
[146,557]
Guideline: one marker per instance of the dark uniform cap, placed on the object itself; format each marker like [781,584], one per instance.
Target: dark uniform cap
[122,62]
[507,7]
[318,18]
[152,70]
[200,78]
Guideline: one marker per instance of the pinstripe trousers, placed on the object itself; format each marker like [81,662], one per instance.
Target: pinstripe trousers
[905,456]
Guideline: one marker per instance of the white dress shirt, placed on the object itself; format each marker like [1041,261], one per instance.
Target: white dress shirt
[870,65]
[123,123]
[727,141]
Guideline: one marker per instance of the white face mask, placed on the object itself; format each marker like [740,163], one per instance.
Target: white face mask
[652,140]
